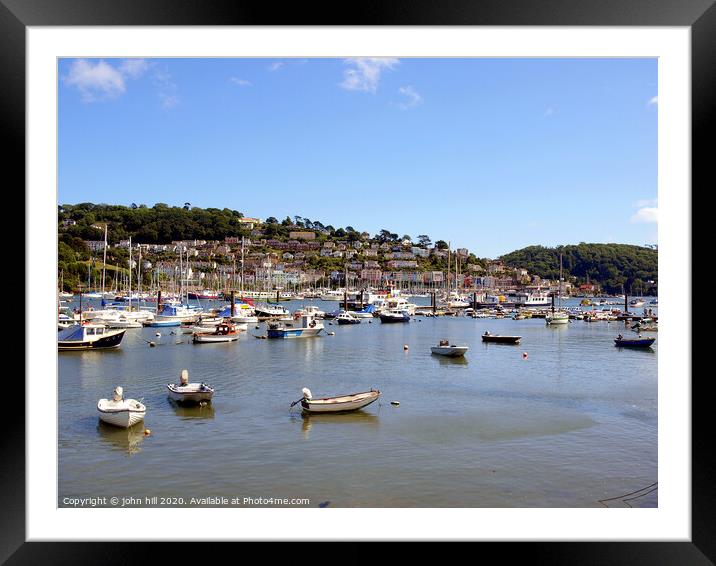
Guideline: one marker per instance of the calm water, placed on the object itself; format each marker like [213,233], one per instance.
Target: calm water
[573,423]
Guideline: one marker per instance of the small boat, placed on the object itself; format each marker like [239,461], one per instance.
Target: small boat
[347,317]
[185,392]
[640,342]
[89,337]
[487,337]
[224,332]
[340,404]
[119,411]
[444,348]
[557,318]
[301,326]
[394,315]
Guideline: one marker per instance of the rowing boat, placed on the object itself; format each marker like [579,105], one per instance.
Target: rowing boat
[340,404]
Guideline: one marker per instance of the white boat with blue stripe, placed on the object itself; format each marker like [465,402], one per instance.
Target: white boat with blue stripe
[301,326]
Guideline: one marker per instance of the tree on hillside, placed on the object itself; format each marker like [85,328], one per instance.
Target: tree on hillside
[424,240]
[441,245]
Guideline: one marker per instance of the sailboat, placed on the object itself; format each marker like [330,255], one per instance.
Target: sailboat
[559,316]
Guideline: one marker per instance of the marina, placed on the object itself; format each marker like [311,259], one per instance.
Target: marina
[459,431]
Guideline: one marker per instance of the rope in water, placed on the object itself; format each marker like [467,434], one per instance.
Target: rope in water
[625,497]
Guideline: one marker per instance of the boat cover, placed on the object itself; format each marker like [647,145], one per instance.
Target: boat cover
[71,333]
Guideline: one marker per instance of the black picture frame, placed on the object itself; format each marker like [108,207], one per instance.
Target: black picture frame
[699,15]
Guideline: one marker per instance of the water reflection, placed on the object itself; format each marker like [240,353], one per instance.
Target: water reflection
[196,411]
[127,440]
[353,418]
[451,361]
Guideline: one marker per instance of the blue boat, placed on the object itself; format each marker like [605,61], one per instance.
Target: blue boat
[622,342]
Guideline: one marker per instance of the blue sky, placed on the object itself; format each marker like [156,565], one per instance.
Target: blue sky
[490,154]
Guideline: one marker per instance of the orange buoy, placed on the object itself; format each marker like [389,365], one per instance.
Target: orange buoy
[147,432]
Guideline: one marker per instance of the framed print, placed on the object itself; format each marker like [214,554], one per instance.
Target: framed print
[248,209]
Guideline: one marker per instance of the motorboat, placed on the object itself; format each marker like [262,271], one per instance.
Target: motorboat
[367,311]
[300,326]
[312,310]
[394,315]
[340,404]
[173,315]
[639,342]
[500,339]
[224,332]
[347,317]
[185,392]
[444,348]
[204,294]
[119,411]
[271,310]
[89,336]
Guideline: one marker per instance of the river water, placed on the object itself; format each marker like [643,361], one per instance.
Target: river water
[573,422]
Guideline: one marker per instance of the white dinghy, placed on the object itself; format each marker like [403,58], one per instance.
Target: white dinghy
[444,348]
[119,411]
[185,392]
[341,404]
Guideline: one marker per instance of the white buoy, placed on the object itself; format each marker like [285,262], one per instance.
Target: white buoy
[158,334]
[405,346]
[396,403]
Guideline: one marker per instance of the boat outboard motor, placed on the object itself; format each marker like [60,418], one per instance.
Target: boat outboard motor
[118,391]
[306,393]
[184,378]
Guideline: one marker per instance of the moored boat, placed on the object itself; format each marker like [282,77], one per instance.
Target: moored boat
[639,342]
[444,348]
[224,332]
[394,315]
[500,339]
[119,411]
[300,326]
[340,404]
[347,317]
[185,392]
[89,337]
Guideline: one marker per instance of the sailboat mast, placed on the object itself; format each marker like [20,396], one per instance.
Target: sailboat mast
[130,273]
[104,258]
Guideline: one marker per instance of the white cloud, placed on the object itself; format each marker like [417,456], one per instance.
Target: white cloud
[134,68]
[95,81]
[548,112]
[646,202]
[276,66]
[98,80]
[654,100]
[646,215]
[240,82]
[364,74]
[413,98]
[166,88]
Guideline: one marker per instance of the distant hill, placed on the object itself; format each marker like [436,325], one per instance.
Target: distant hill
[610,265]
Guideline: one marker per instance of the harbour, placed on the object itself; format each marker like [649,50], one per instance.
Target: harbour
[572,422]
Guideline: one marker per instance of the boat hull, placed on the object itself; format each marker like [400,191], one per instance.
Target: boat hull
[449,351]
[294,332]
[214,338]
[645,343]
[128,414]
[203,395]
[502,339]
[389,319]
[104,343]
[342,404]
